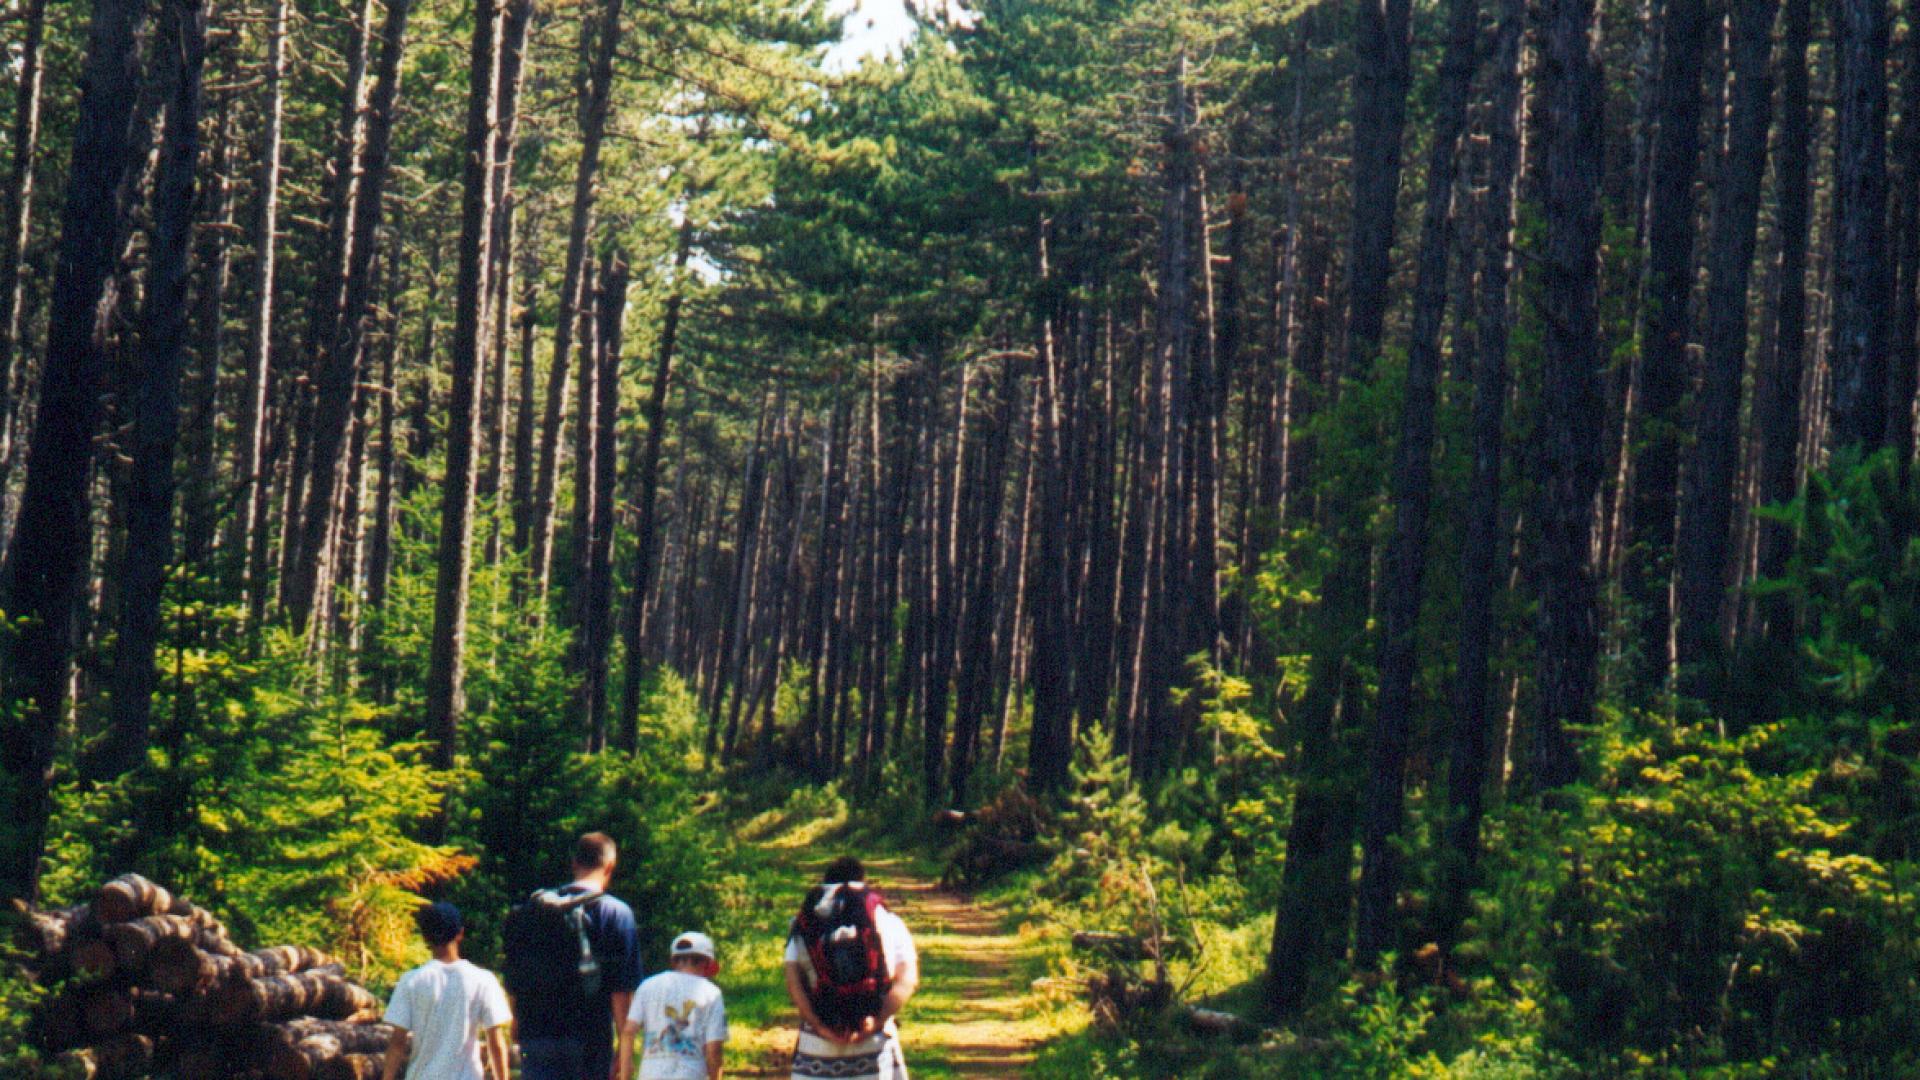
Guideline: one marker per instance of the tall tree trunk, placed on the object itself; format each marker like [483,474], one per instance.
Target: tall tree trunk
[324,311]
[46,565]
[586,443]
[446,661]
[600,40]
[943,574]
[16,213]
[641,570]
[339,363]
[156,400]
[1663,376]
[1860,310]
[250,521]
[1314,911]
[1777,405]
[1406,561]
[1569,448]
[975,684]
[198,509]
[1471,737]
[516,23]
[1703,557]
[1050,743]
[380,543]
[1903,345]
[597,627]
[523,427]
[1173,593]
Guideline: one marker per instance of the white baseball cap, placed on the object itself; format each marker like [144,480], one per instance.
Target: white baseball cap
[694,943]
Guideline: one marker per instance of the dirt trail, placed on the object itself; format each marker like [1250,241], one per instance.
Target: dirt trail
[974,1016]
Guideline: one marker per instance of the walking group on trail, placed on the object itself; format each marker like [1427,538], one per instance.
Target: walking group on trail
[572,981]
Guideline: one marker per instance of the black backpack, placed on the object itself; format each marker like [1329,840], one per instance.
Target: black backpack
[546,948]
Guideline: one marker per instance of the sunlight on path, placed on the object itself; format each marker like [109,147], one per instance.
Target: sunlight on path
[974,1016]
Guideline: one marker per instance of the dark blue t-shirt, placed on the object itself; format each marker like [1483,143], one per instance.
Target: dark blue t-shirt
[616,946]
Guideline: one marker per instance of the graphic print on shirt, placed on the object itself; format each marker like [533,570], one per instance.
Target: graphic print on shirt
[678,1036]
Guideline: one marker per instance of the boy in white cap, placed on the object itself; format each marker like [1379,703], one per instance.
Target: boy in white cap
[680,1017]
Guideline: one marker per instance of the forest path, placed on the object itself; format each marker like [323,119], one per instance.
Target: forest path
[975,1014]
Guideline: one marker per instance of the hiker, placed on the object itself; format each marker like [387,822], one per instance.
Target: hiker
[680,1017]
[851,966]
[572,963]
[448,1015]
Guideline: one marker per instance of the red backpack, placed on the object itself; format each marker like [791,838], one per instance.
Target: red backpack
[851,976]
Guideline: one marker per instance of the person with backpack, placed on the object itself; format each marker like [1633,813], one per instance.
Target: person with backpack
[449,1017]
[679,1016]
[572,963]
[851,967]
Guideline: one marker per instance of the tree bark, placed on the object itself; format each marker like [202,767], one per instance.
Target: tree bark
[1777,401]
[1314,911]
[46,564]
[339,363]
[641,570]
[516,23]
[1662,375]
[1704,555]
[446,662]
[1406,560]
[1903,346]
[250,467]
[250,471]
[16,213]
[1860,309]
[156,401]
[1569,451]
[597,627]
[326,305]
[198,501]
[600,40]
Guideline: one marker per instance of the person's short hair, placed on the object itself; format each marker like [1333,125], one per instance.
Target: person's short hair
[439,923]
[842,870]
[595,851]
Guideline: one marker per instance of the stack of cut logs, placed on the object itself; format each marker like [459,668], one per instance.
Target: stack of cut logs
[149,983]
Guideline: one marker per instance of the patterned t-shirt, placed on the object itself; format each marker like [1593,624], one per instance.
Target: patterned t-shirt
[678,1014]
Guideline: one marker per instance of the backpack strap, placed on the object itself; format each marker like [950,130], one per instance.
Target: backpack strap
[557,898]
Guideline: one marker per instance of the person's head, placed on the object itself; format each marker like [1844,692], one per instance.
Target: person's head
[441,925]
[693,953]
[842,870]
[594,857]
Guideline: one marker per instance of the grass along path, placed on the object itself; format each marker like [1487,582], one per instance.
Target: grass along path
[975,1015]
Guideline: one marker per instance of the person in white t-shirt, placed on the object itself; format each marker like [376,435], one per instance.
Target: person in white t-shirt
[868,1049]
[680,1017]
[450,1017]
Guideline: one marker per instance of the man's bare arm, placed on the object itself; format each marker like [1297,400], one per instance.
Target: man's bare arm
[397,1051]
[716,1054]
[623,1057]
[499,1052]
[797,990]
[906,979]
